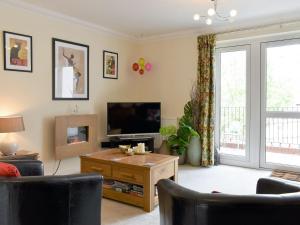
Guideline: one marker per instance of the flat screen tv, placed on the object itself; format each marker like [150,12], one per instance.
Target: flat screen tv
[133,118]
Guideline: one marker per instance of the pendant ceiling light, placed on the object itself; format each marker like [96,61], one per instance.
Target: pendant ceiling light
[214,14]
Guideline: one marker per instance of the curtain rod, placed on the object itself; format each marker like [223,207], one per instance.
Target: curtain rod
[281,25]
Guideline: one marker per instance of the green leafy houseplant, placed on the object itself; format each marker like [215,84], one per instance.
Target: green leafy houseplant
[187,125]
[167,131]
[180,141]
[191,109]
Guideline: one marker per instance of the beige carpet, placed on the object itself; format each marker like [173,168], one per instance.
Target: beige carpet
[226,179]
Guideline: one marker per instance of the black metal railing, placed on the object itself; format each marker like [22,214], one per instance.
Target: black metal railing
[280,132]
[233,126]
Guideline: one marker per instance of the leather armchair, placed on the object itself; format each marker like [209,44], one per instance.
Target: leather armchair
[49,200]
[27,167]
[276,203]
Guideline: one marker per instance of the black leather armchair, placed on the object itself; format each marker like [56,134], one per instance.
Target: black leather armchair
[27,167]
[49,200]
[276,203]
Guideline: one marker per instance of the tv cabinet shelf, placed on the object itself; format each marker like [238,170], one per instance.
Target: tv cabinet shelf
[133,141]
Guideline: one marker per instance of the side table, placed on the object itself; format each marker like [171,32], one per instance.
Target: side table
[20,155]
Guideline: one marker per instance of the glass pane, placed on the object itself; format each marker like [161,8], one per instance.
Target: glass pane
[283,141]
[283,78]
[283,95]
[77,135]
[233,102]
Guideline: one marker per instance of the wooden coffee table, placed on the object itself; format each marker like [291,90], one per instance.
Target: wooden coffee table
[140,172]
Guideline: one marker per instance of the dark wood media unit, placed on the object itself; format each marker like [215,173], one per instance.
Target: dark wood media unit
[133,141]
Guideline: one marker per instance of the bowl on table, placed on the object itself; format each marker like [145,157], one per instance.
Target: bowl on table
[124,148]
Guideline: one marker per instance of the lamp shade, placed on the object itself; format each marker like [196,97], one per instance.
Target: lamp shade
[11,124]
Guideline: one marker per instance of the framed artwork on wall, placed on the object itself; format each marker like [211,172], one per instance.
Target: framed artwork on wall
[17,52]
[70,68]
[110,65]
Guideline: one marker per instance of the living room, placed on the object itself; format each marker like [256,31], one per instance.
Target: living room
[162,52]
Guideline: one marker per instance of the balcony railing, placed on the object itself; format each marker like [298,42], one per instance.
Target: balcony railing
[282,134]
[233,127]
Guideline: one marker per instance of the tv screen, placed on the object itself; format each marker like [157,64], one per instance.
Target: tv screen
[133,118]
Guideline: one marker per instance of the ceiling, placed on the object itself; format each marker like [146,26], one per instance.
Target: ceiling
[144,18]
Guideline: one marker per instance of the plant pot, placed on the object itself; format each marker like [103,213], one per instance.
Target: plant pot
[181,160]
[164,148]
[194,152]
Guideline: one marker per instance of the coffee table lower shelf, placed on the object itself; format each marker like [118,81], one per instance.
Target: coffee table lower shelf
[124,197]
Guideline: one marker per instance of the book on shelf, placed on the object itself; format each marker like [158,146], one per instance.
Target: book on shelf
[124,187]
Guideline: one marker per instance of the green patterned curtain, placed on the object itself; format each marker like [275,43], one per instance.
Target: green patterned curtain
[205,85]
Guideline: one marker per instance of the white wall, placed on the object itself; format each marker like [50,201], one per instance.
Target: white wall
[30,94]
[175,64]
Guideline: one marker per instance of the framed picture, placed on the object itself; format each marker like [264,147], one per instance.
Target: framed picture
[17,52]
[70,70]
[110,65]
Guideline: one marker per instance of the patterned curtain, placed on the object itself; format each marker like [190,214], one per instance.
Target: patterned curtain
[205,85]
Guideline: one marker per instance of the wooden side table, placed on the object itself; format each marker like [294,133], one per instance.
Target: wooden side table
[21,154]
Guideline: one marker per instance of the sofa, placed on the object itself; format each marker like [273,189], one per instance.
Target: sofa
[276,202]
[34,199]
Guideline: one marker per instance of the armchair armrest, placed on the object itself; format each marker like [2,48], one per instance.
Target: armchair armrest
[27,167]
[275,186]
[49,200]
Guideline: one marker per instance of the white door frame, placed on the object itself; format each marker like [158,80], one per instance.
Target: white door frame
[264,113]
[225,158]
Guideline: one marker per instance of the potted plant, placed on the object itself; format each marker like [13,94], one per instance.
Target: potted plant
[191,117]
[166,132]
[180,141]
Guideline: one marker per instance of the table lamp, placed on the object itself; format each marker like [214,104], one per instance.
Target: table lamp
[10,124]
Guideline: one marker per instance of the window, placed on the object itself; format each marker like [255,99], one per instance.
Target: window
[258,103]
[281,110]
[232,76]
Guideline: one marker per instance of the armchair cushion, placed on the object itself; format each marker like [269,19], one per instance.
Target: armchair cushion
[8,170]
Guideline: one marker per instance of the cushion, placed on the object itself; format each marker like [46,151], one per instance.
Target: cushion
[8,170]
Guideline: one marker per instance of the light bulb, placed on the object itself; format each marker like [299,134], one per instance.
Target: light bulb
[196,17]
[211,12]
[208,21]
[233,13]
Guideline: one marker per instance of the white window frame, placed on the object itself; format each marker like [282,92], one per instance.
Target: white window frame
[264,113]
[227,158]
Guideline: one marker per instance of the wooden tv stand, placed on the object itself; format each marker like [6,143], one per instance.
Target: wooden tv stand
[141,170]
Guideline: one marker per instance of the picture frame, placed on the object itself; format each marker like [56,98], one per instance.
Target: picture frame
[110,65]
[17,50]
[70,70]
